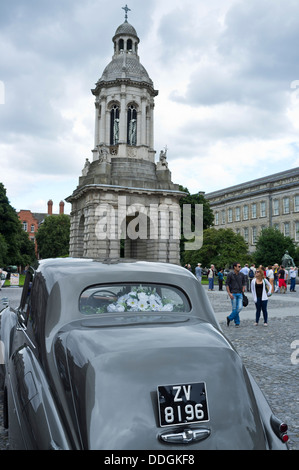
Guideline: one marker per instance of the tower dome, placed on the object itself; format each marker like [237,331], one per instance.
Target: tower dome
[125,62]
[126,28]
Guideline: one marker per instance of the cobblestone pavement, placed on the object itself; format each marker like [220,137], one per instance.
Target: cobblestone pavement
[266,352]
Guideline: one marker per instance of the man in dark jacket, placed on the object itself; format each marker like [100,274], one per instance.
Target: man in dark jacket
[235,286]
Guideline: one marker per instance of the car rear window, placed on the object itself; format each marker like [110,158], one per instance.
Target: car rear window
[118,298]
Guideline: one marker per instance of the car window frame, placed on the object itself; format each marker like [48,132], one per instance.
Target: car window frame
[185,296]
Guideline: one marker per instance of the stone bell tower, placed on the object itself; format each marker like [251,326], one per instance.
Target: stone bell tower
[125,204]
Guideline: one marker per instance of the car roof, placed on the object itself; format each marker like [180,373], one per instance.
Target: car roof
[59,269]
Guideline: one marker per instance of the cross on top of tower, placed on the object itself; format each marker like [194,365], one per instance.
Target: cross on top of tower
[126,10]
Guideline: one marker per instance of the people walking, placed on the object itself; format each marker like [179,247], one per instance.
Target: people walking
[235,286]
[245,271]
[270,277]
[251,274]
[220,278]
[261,289]
[275,271]
[281,280]
[198,272]
[211,275]
[293,273]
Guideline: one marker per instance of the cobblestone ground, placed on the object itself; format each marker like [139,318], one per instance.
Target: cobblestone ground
[266,352]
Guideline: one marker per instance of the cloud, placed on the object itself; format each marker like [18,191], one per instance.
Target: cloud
[223,70]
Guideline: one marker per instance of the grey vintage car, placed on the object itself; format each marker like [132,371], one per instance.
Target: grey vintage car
[125,355]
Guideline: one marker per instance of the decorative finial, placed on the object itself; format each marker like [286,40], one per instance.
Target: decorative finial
[126,10]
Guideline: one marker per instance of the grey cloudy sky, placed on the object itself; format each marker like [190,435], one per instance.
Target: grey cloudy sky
[227,72]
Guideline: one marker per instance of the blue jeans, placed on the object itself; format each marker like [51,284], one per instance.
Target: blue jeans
[293,283]
[211,283]
[261,305]
[237,305]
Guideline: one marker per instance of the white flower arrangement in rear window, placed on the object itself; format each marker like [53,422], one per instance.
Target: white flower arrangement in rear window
[141,299]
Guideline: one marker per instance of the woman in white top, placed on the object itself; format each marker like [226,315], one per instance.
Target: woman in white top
[261,289]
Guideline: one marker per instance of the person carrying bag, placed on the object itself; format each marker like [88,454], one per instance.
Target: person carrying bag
[261,289]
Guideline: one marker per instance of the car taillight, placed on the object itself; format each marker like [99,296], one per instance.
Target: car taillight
[279,428]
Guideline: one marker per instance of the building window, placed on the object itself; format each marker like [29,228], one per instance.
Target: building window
[114,125]
[296,204]
[253,211]
[276,226]
[230,215]
[238,214]
[286,229]
[276,207]
[297,231]
[216,218]
[25,226]
[132,126]
[286,205]
[246,234]
[254,235]
[237,231]
[263,209]
[223,217]
[245,212]
[32,228]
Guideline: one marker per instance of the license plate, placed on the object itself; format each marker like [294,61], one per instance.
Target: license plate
[182,403]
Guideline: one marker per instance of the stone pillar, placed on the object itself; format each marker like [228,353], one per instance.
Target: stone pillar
[143,121]
[97,123]
[102,121]
[123,119]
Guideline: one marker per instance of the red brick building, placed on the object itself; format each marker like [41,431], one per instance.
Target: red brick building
[31,221]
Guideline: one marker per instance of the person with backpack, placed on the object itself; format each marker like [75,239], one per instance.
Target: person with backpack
[251,274]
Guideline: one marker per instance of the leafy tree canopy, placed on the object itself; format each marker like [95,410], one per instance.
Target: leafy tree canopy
[193,199]
[15,246]
[220,247]
[271,246]
[208,216]
[53,236]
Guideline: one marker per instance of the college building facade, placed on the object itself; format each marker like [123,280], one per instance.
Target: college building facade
[248,208]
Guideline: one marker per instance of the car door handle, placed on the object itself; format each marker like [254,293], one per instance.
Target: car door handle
[186,436]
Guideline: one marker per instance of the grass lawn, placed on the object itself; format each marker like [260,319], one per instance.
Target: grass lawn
[21,281]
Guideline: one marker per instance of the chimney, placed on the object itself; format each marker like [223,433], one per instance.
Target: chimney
[50,207]
[61,207]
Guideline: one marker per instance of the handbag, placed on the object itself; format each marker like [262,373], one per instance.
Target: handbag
[245,300]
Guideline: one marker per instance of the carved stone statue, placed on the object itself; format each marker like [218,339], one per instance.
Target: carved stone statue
[103,154]
[132,132]
[162,158]
[116,131]
[287,261]
[86,167]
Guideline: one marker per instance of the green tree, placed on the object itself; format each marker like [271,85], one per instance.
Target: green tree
[193,199]
[3,250]
[208,216]
[271,246]
[15,246]
[53,236]
[220,247]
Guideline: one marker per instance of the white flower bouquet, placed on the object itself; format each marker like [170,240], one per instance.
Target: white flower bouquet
[141,299]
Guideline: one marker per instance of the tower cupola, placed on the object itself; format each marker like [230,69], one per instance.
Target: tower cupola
[124,101]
